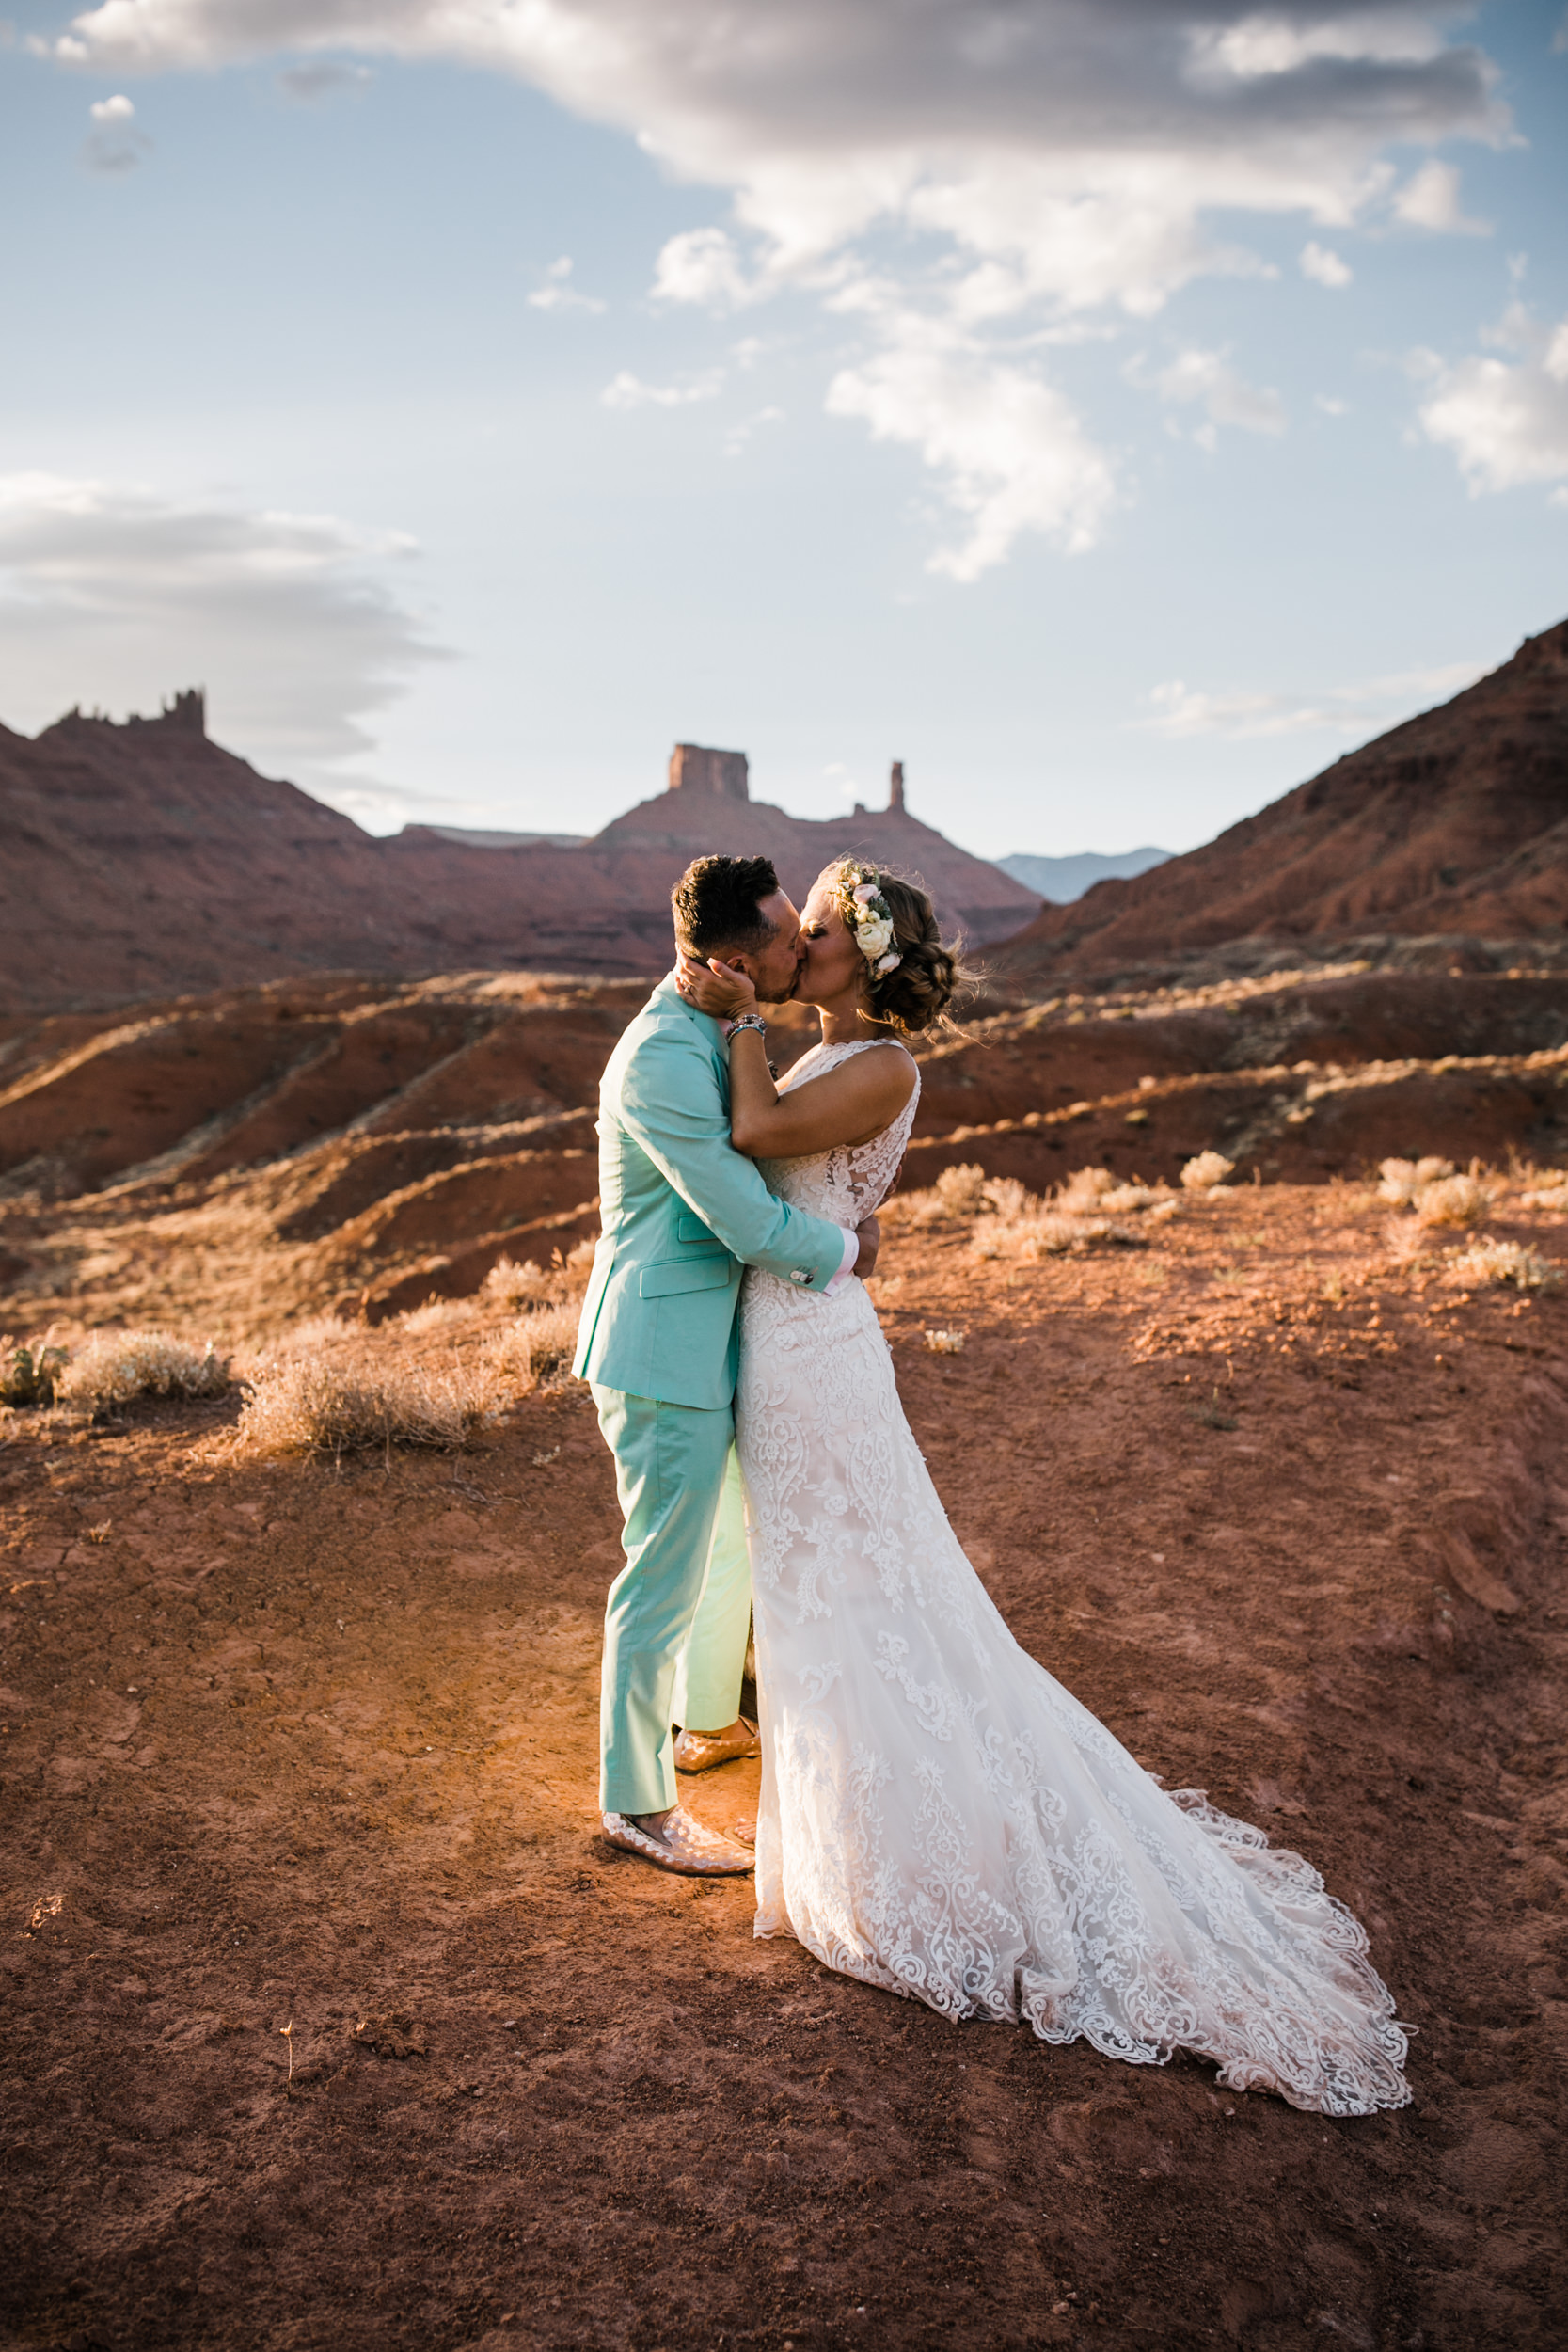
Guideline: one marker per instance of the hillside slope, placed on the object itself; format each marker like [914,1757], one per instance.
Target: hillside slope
[1455,822]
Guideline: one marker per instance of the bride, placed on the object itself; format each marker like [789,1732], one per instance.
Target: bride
[938,1816]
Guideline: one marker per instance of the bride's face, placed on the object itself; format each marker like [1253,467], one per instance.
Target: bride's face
[834,966]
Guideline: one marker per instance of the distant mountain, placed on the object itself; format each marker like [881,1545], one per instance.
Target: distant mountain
[1454,823]
[143,860]
[1061,879]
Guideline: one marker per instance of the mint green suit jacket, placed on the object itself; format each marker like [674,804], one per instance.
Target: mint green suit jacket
[681,1212]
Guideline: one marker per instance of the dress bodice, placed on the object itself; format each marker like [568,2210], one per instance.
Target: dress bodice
[850,1181]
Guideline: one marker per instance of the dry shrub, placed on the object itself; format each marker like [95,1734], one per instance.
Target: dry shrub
[115,1367]
[534,1347]
[1453,1200]
[1490,1262]
[958,1192]
[302,1406]
[1553,1196]
[946,1343]
[1122,1199]
[1025,1227]
[1083,1190]
[1208,1170]
[1403,1182]
[436,1316]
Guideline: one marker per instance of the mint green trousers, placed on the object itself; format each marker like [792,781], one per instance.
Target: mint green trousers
[676,1622]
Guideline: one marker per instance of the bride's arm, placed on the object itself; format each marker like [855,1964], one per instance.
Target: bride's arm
[848,1104]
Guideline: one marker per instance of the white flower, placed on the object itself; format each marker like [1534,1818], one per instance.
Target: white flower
[874,936]
[890,963]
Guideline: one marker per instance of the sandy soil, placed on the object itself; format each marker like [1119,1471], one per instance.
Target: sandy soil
[298,1769]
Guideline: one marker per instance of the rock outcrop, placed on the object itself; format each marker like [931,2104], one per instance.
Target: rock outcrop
[142,859]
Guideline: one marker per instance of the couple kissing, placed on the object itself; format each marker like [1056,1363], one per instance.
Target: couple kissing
[940,1817]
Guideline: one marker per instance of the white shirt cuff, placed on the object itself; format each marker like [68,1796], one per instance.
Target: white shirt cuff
[851,1251]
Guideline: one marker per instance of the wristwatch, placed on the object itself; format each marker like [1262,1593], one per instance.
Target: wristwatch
[748,1021]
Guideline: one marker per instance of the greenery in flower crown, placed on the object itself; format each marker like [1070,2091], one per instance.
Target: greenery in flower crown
[870,918]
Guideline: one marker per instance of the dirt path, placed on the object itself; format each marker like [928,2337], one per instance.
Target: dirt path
[286,1748]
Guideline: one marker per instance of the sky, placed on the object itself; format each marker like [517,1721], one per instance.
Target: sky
[1116,409]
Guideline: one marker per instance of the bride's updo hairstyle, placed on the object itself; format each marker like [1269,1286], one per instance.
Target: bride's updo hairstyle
[911,974]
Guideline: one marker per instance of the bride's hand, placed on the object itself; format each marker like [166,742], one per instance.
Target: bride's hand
[715,988]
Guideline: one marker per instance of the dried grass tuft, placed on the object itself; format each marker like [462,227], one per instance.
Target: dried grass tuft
[302,1406]
[958,1192]
[115,1367]
[1496,1261]
[1546,1197]
[1403,1182]
[1207,1172]
[946,1343]
[1453,1200]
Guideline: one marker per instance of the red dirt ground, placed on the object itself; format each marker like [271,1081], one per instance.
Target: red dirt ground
[298,1766]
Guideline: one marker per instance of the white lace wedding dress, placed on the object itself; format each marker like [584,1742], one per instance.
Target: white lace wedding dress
[938,1816]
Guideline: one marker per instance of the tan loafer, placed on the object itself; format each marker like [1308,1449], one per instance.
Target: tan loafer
[699,1751]
[681,1845]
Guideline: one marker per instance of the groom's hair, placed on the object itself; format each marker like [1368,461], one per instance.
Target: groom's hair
[716,905]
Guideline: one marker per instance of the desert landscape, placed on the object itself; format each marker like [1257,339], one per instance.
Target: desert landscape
[1225,1286]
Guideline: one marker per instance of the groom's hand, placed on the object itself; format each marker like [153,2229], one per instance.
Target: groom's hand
[870,1238]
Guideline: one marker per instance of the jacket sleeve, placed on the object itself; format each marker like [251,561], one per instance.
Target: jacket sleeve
[673,1106]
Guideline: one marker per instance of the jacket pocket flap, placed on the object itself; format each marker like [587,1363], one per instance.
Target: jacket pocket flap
[688,1227]
[687,1274]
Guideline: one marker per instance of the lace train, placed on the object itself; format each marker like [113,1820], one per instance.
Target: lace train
[938,1816]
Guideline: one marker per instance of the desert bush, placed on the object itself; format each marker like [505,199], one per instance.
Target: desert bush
[1083,1190]
[1491,1262]
[1551,1196]
[299,1404]
[1403,1182]
[1208,1170]
[1453,1200]
[958,1192]
[115,1367]
[513,1286]
[946,1343]
[535,1346]
[30,1372]
[1123,1200]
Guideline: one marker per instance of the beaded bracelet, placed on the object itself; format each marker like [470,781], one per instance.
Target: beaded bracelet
[750,1020]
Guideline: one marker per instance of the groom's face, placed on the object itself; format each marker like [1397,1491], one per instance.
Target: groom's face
[773,970]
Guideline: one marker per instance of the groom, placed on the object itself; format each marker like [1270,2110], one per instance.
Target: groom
[682,1212]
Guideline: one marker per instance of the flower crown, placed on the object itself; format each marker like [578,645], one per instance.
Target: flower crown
[870,918]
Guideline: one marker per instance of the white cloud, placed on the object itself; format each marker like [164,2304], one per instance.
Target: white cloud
[1207,378]
[1330,405]
[703,266]
[1507,424]
[112,145]
[112,595]
[1033,161]
[627,391]
[1181,711]
[557,291]
[1012,454]
[1322,264]
[1430,200]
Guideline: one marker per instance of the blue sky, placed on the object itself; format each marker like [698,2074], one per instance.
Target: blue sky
[1113,408]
